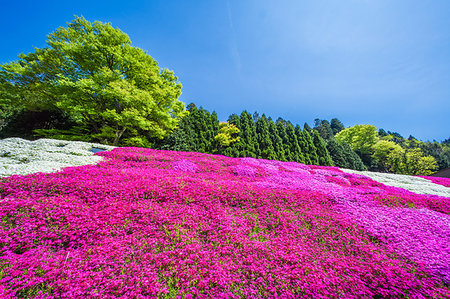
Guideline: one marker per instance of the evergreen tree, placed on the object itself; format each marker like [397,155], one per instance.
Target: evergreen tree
[281,128]
[277,142]
[249,138]
[307,128]
[303,145]
[311,148]
[336,126]
[382,133]
[323,128]
[343,156]
[294,148]
[264,140]
[322,152]
[184,137]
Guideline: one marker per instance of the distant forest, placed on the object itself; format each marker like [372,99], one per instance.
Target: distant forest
[360,147]
[326,143]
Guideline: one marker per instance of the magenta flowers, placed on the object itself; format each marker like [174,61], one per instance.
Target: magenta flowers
[146,223]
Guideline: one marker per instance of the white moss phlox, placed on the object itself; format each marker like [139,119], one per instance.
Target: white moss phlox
[20,156]
[408,182]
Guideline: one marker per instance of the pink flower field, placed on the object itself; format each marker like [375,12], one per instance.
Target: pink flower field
[160,224]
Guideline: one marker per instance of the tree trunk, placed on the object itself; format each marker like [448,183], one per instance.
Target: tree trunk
[118,135]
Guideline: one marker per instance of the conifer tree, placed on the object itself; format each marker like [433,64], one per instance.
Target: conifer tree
[264,140]
[277,142]
[281,128]
[311,148]
[323,128]
[303,145]
[343,156]
[296,154]
[249,139]
[183,138]
[324,157]
[336,126]
[307,128]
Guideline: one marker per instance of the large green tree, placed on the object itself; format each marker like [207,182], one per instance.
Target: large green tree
[92,71]
[361,138]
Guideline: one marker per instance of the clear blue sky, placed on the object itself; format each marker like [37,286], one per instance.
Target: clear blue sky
[381,62]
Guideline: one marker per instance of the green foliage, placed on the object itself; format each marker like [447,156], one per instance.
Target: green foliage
[323,128]
[77,133]
[33,124]
[91,71]
[309,148]
[336,126]
[264,138]
[196,132]
[440,151]
[343,156]
[307,128]
[277,142]
[227,134]
[382,133]
[361,138]
[416,164]
[249,145]
[388,155]
[322,152]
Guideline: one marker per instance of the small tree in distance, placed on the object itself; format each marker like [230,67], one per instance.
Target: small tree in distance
[228,134]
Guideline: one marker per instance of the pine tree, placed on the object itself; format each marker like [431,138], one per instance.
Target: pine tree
[265,143]
[336,126]
[249,139]
[343,156]
[277,142]
[303,145]
[307,128]
[324,157]
[281,128]
[296,153]
[323,128]
[184,137]
[311,148]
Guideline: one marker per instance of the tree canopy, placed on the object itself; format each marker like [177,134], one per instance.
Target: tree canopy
[361,138]
[91,71]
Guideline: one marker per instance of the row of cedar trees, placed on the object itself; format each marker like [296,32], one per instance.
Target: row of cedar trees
[259,137]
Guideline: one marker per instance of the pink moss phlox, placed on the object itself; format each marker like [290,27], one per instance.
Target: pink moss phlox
[145,223]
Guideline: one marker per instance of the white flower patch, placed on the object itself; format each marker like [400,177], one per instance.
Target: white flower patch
[20,156]
[408,182]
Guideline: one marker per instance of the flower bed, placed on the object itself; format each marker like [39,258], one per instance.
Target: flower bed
[146,223]
[416,184]
[19,156]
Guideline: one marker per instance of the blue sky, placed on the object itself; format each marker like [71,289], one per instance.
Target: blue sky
[380,62]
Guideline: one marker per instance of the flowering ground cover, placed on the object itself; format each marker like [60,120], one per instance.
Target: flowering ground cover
[437,180]
[144,223]
[416,184]
[20,156]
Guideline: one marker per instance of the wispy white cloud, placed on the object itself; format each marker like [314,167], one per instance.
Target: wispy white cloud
[233,44]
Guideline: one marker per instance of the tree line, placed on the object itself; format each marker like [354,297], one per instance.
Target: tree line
[256,136]
[386,151]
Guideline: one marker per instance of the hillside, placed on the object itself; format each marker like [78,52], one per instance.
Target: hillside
[151,223]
